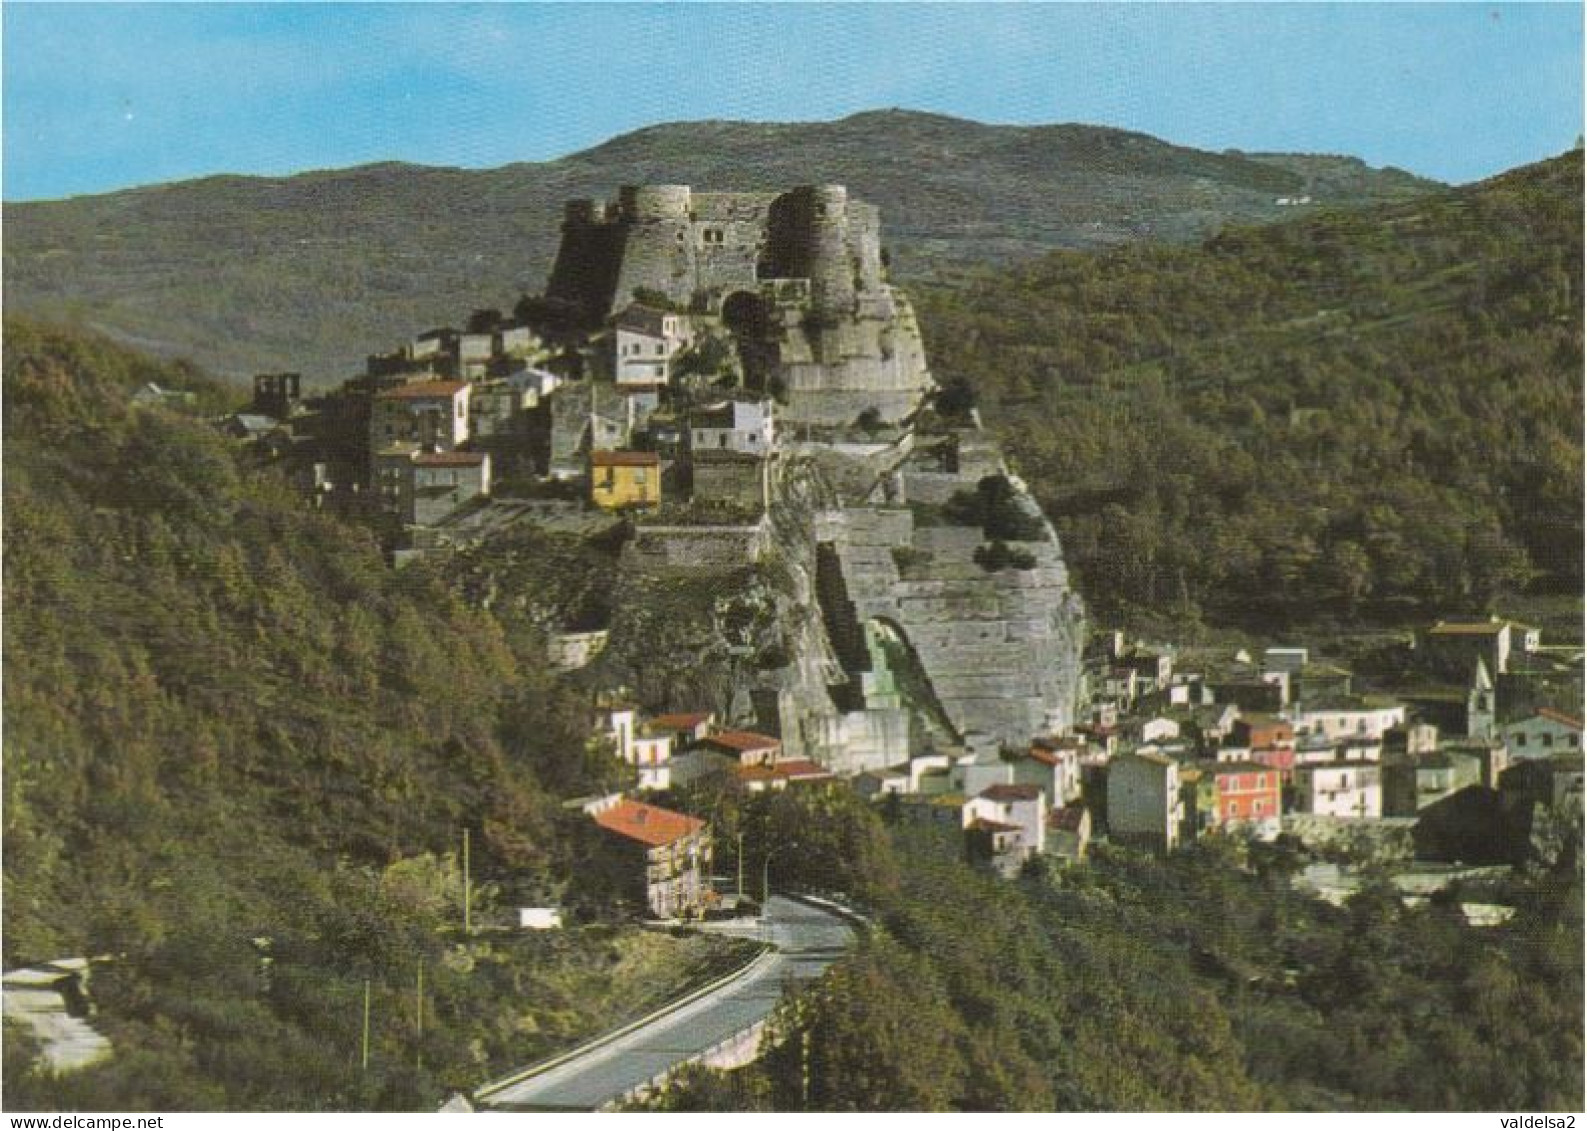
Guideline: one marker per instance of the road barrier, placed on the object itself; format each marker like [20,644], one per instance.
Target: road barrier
[483,1093]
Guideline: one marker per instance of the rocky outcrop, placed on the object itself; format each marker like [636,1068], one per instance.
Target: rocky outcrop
[1000,647]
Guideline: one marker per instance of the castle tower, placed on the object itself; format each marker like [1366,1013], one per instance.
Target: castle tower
[1481,716]
[658,254]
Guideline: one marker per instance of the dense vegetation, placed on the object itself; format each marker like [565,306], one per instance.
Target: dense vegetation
[313,272]
[1203,982]
[232,735]
[1374,411]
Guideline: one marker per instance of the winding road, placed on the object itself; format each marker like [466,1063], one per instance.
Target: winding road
[808,940]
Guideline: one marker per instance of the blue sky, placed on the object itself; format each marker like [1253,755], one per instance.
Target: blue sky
[98,97]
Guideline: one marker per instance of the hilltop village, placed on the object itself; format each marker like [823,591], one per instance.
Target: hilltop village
[728,383]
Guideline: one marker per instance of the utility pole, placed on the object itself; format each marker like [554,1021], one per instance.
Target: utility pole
[418,1018]
[365,1061]
[468,891]
[740,859]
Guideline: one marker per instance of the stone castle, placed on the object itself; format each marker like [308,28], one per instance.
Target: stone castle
[798,277]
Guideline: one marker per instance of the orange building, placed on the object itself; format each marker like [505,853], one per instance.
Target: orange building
[1246,791]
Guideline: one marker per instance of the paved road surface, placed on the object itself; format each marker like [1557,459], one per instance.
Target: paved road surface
[808,941]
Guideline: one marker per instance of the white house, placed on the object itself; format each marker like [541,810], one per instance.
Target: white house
[1542,734]
[1022,806]
[1053,764]
[644,342]
[1340,789]
[1338,720]
[746,427]
[1144,804]
[650,753]
[432,414]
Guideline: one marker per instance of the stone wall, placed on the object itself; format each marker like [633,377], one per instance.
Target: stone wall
[695,547]
[850,344]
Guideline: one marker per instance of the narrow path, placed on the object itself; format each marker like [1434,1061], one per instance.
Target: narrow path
[808,940]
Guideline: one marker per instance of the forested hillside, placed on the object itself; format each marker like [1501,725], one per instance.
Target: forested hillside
[314,272]
[231,735]
[1201,983]
[1373,411]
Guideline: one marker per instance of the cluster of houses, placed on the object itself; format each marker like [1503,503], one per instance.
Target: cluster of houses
[433,429]
[670,853]
[1174,746]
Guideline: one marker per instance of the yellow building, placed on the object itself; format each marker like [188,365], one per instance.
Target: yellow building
[625,479]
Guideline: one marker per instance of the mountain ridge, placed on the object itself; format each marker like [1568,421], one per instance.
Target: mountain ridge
[311,272]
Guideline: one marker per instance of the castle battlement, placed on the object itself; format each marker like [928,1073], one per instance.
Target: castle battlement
[804,267]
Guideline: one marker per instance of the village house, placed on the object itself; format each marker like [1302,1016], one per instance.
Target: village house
[996,845]
[1144,804]
[686,728]
[421,488]
[743,426]
[1069,832]
[1341,718]
[1053,764]
[1024,806]
[879,783]
[1340,789]
[1412,783]
[1245,793]
[1156,729]
[1258,731]
[248,426]
[665,856]
[745,746]
[643,343]
[650,753]
[432,414]
[620,479]
[1007,824]
[761,776]
[1542,734]
[1451,647]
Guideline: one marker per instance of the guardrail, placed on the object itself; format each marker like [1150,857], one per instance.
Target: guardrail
[483,1093]
[659,1081]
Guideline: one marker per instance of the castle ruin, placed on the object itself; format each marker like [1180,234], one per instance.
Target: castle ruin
[797,277]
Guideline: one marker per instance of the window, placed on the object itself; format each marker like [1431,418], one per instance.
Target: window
[640,478]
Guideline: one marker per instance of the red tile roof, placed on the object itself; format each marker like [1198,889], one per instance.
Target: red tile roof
[686,720]
[743,741]
[1559,717]
[424,390]
[624,459]
[802,768]
[648,824]
[1068,818]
